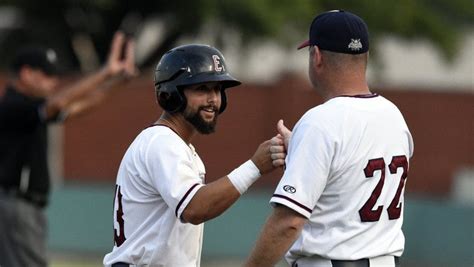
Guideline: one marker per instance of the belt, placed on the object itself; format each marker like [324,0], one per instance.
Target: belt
[362,263]
[37,199]
[120,264]
[372,262]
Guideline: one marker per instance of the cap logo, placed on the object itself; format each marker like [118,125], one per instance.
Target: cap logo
[355,45]
[217,63]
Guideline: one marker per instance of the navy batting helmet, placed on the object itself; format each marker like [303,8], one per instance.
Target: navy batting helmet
[187,65]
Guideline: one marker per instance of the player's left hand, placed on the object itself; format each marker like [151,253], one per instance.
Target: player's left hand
[278,150]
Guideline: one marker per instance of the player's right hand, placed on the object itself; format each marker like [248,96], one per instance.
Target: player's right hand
[262,157]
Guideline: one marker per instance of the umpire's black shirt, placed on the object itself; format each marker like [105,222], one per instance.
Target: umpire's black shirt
[23,143]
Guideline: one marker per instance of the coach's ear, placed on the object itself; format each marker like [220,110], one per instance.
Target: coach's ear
[316,56]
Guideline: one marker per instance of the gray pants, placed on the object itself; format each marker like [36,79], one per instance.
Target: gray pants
[23,232]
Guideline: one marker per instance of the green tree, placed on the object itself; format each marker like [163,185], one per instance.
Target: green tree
[65,23]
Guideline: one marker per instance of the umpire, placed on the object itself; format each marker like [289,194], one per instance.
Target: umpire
[29,103]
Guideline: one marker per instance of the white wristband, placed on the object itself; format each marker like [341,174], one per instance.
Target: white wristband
[244,176]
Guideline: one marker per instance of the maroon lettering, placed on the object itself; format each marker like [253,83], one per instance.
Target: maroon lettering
[395,207]
[367,212]
[120,238]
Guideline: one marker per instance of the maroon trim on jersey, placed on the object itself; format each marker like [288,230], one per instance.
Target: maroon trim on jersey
[184,197]
[360,96]
[294,202]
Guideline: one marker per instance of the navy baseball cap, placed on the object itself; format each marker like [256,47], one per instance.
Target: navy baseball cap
[37,57]
[338,31]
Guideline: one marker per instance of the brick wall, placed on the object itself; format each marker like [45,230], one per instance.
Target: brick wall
[441,124]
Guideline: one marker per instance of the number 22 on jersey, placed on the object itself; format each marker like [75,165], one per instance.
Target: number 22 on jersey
[367,213]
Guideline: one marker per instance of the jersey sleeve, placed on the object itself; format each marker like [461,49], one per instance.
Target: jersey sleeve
[307,167]
[172,172]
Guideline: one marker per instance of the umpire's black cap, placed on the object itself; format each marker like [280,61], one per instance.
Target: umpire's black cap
[36,57]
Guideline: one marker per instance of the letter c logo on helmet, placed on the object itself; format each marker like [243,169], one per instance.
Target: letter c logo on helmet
[217,63]
[187,65]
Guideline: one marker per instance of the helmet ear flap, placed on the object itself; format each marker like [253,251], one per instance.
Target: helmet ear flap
[172,101]
[223,101]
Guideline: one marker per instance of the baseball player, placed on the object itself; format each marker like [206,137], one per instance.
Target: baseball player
[340,200]
[161,199]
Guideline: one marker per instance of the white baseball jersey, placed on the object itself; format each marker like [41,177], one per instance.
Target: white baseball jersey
[157,178]
[346,169]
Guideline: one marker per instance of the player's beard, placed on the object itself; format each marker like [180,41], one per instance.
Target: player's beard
[202,126]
